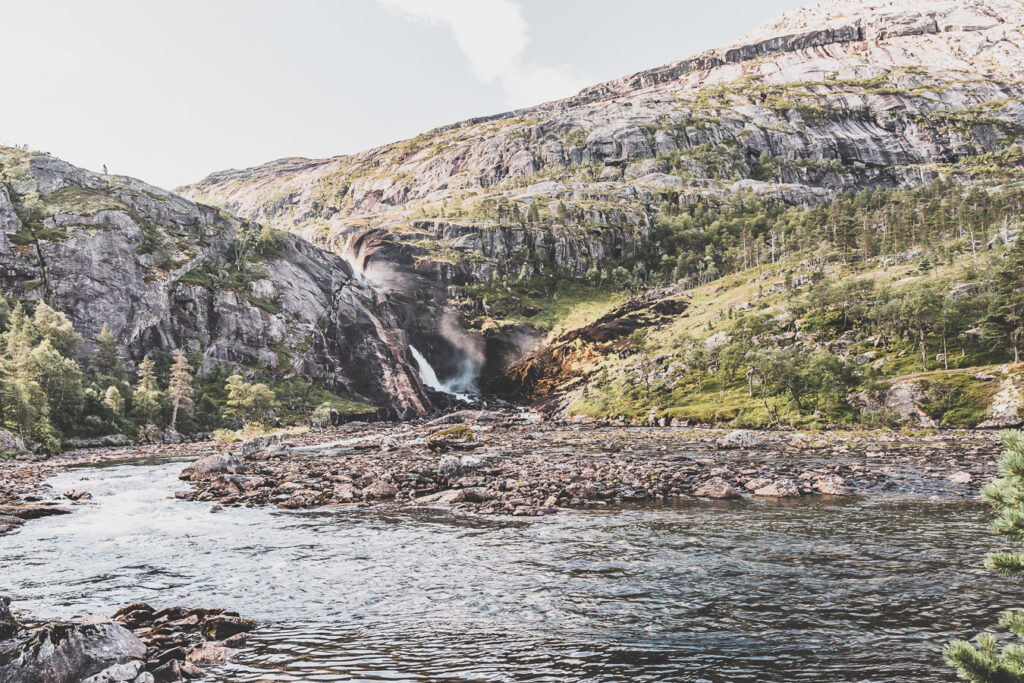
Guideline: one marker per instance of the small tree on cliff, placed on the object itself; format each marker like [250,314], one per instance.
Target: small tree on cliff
[180,387]
[984,662]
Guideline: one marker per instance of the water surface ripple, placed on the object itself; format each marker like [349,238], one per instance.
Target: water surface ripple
[851,589]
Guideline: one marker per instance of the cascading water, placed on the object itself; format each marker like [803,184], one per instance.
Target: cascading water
[462,386]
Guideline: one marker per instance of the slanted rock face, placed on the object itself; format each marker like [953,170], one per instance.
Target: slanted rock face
[69,653]
[165,273]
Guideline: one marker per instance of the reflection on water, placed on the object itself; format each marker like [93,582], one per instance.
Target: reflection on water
[740,591]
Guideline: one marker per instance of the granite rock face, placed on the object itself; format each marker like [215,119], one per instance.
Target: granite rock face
[838,96]
[164,272]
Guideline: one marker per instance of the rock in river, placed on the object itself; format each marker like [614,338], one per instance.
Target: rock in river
[717,488]
[69,653]
[783,488]
[8,624]
[220,463]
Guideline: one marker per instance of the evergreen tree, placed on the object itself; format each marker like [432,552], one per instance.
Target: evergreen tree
[1004,321]
[106,360]
[985,662]
[180,387]
[532,214]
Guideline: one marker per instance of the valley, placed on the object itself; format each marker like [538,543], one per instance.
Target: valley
[703,373]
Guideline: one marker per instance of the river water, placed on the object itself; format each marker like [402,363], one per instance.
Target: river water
[816,590]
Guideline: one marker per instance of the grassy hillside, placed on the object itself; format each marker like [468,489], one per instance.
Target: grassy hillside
[828,334]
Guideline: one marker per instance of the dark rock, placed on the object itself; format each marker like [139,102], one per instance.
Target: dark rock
[223,626]
[69,652]
[8,624]
[32,510]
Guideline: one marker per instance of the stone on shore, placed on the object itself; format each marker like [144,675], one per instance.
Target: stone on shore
[9,443]
[28,511]
[207,653]
[832,485]
[380,489]
[256,447]
[452,439]
[961,477]
[783,488]
[717,488]
[740,438]
[204,468]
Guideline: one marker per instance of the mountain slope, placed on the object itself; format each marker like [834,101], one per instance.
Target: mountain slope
[163,272]
[843,95]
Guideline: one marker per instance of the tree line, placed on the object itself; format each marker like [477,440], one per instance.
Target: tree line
[51,400]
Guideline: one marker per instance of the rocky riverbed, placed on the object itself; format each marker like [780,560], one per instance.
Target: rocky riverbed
[510,464]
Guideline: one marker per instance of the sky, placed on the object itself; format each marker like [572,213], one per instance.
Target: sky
[171,91]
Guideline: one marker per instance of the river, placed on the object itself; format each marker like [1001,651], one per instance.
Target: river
[864,588]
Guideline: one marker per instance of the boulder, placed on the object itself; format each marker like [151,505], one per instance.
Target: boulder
[32,510]
[63,652]
[223,626]
[205,468]
[254,447]
[717,488]
[740,438]
[380,489]
[9,443]
[207,653]
[832,485]
[961,477]
[755,484]
[119,673]
[453,467]
[452,439]
[8,624]
[783,488]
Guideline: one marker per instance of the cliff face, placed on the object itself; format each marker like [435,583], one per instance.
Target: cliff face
[842,95]
[164,272]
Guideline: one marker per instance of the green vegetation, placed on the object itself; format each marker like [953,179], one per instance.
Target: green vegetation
[51,401]
[785,330]
[985,661]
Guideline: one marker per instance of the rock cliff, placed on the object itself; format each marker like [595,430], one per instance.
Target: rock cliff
[164,272]
[838,96]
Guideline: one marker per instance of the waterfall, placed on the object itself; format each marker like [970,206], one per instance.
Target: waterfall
[455,387]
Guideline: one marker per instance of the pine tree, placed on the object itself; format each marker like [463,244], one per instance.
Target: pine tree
[1004,322]
[180,386]
[106,360]
[532,214]
[985,662]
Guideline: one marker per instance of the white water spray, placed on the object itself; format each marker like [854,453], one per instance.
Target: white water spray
[456,386]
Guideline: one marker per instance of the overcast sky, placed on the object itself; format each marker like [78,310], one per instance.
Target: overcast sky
[170,91]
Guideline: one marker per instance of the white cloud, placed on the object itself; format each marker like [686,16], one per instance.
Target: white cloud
[492,35]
